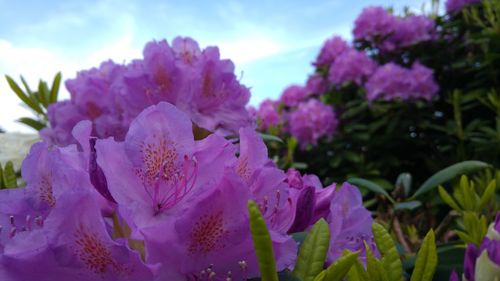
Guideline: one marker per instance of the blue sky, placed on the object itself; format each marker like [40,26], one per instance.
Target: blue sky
[271,42]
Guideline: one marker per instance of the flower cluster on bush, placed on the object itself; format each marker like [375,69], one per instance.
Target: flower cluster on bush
[196,81]
[340,64]
[161,204]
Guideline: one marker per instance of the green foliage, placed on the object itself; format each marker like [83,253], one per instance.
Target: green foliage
[471,206]
[313,252]
[390,257]
[38,101]
[8,177]
[427,259]
[262,244]
[339,269]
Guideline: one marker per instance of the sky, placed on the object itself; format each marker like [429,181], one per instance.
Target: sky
[272,43]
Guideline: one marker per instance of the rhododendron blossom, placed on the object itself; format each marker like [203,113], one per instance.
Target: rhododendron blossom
[197,81]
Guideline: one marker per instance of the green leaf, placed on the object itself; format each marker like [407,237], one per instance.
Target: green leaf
[35,124]
[450,173]
[427,259]
[262,244]
[487,195]
[313,252]
[27,100]
[43,93]
[387,248]
[54,90]
[448,199]
[268,137]
[370,186]
[9,175]
[2,186]
[357,273]
[26,86]
[409,205]
[404,180]
[374,267]
[339,269]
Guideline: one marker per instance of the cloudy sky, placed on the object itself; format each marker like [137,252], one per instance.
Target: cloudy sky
[271,42]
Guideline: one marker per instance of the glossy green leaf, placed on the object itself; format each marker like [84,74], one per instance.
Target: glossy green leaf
[339,269]
[427,259]
[374,267]
[313,252]
[370,186]
[35,124]
[390,256]
[26,99]
[43,93]
[450,173]
[262,244]
[409,205]
[357,273]
[54,90]
[487,195]
[9,175]
[267,137]
[448,199]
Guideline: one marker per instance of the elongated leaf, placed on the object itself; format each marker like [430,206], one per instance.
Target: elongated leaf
[43,93]
[357,273]
[370,186]
[28,101]
[35,124]
[448,199]
[313,252]
[262,244]
[404,180]
[409,205]
[339,269]
[9,175]
[1,177]
[427,259]
[450,173]
[54,90]
[387,248]
[267,137]
[487,195]
[26,86]
[374,267]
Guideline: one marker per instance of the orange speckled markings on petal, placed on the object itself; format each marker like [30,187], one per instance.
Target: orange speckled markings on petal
[45,190]
[94,254]
[242,168]
[162,79]
[159,160]
[207,234]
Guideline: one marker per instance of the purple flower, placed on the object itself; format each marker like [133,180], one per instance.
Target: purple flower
[351,65]
[412,30]
[111,96]
[268,114]
[316,85]
[331,49]
[453,6]
[350,223]
[374,24]
[471,254]
[388,32]
[392,81]
[454,276]
[293,94]
[311,121]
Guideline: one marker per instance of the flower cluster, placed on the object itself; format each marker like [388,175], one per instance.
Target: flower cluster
[161,205]
[392,81]
[483,263]
[311,121]
[197,81]
[379,27]
[453,6]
